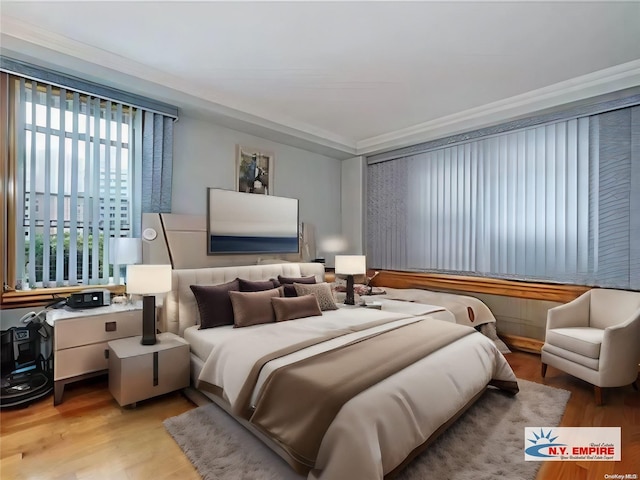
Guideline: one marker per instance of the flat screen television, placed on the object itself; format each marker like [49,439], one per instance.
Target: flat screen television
[239,223]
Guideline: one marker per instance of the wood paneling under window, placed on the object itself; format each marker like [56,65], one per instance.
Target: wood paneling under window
[509,288]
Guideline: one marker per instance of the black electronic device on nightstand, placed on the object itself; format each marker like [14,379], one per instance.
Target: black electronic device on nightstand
[89,299]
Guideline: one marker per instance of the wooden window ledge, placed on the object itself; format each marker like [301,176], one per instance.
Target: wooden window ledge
[43,296]
[510,288]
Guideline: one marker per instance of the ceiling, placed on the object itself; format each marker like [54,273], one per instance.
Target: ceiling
[343,78]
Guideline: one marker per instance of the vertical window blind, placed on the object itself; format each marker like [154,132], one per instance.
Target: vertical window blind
[87,161]
[549,203]
[75,174]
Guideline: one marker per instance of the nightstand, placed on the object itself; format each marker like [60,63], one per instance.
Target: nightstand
[80,340]
[138,372]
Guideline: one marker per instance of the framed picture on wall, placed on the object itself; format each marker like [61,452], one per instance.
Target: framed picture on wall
[254,170]
[240,223]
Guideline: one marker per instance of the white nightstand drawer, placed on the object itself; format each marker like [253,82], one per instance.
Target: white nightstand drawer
[73,332]
[80,340]
[80,360]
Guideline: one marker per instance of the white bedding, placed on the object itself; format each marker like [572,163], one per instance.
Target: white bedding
[376,430]
[343,316]
[466,310]
[232,356]
[203,341]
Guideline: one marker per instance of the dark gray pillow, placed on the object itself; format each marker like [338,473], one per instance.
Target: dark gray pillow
[257,286]
[306,280]
[287,283]
[214,303]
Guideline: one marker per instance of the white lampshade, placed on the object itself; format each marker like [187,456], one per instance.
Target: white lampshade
[125,251]
[351,264]
[148,279]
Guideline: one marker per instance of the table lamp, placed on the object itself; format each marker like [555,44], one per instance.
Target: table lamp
[148,280]
[350,265]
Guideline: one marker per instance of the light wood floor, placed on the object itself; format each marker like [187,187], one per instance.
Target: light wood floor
[89,436]
[621,409]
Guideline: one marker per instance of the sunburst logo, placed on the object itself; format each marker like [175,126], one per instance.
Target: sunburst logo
[544,441]
[542,437]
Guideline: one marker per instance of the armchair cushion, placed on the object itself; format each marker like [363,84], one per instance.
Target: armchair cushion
[572,357]
[581,340]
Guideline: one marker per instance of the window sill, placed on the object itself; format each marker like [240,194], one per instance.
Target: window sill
[42,296]
[510,288]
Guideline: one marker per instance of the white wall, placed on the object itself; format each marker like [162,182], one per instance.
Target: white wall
[204,156]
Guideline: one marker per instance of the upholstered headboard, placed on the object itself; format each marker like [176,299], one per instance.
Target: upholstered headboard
[180,311]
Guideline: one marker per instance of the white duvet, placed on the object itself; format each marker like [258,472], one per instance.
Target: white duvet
[466,310]
[376,430]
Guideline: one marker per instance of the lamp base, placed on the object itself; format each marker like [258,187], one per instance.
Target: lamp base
[148,320]
[350,298]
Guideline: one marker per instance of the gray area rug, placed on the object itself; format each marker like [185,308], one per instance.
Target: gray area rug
[485,443]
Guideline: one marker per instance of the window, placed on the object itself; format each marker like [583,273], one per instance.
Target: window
[73,159]
[554,202]
[71,152]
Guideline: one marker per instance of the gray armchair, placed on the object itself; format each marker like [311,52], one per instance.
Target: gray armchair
[596,337]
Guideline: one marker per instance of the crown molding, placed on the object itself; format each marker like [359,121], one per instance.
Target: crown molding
[37,43]
[101,65]
[619,77]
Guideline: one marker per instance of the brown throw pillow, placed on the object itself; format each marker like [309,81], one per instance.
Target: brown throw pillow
[287,283]
[259,286]
[214,304]
[323,294]
[296,307]
[253,308]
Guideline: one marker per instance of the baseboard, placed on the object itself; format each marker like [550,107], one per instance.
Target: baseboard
[525,344]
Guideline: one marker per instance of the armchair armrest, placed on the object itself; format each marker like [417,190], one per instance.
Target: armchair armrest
[572,314]
[620,352]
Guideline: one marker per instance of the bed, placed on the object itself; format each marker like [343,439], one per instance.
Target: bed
[368,431]
[462,309]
